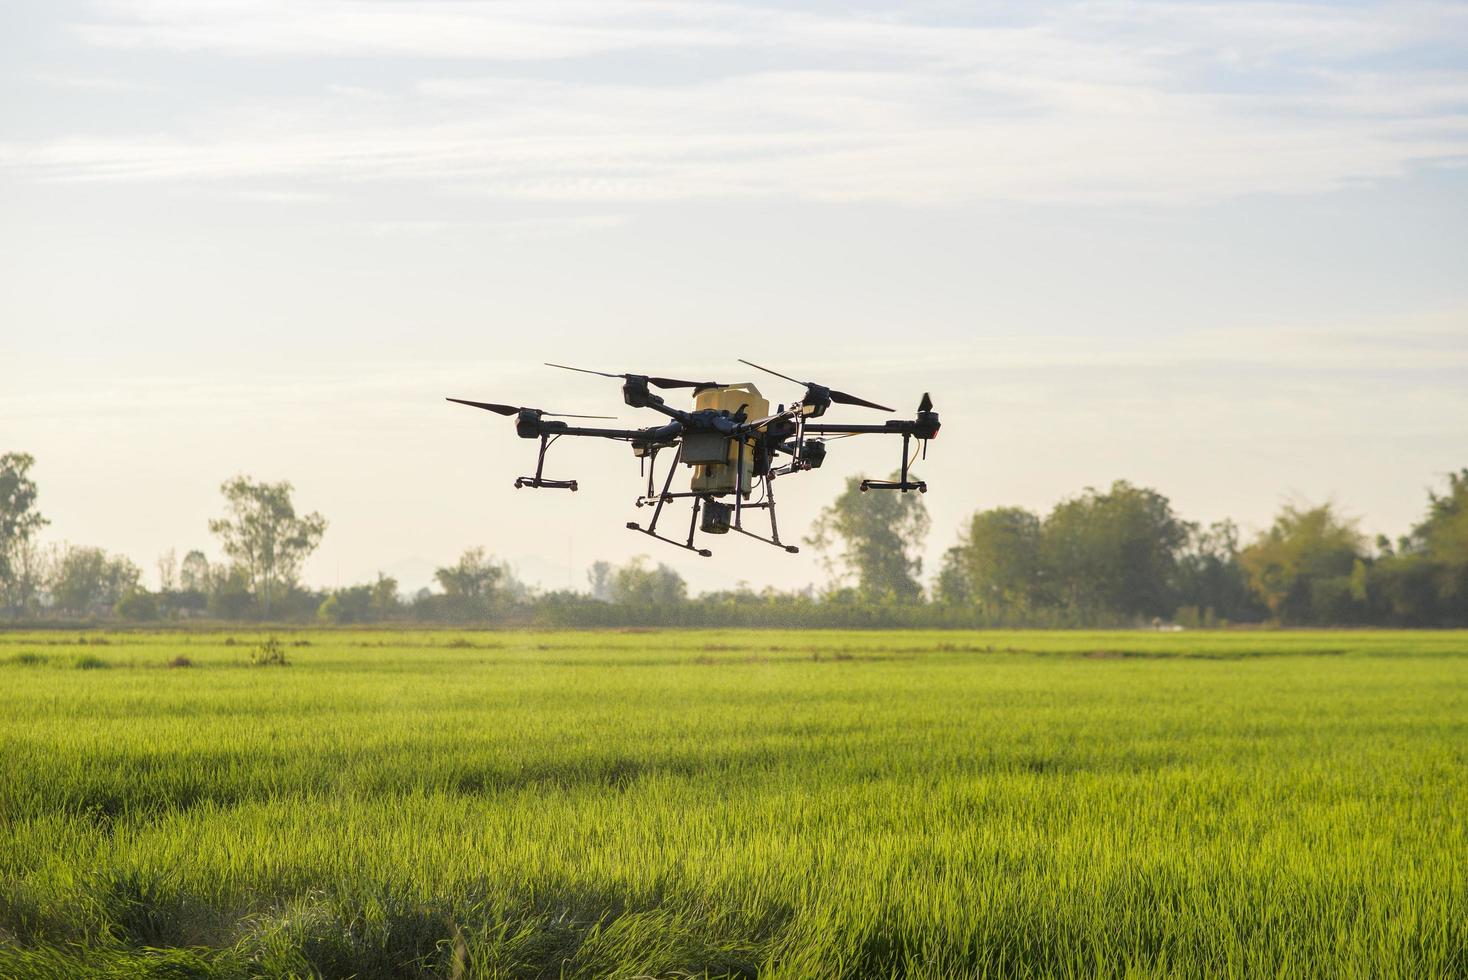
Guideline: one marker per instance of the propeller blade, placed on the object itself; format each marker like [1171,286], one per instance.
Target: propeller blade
[513,410]
[839,397]
[775,373]
[926,405]
[487,406]
[843,398]
[665,383]
[567,367]
[676,383]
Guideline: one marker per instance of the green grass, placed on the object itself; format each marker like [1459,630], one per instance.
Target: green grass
[735,803]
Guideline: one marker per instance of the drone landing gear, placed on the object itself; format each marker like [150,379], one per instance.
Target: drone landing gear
[539,482]
[664,497]
[767,504]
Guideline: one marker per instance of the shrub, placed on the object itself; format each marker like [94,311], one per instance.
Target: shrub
[271,653]
[89,662]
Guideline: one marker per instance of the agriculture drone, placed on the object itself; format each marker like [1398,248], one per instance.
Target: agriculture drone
[734,444]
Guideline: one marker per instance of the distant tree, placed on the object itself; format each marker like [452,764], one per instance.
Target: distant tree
[1002,559]
[1424,581]
[877,537]
[1211,579]
[1114,551]
[168,571]
[229,592]
[193,573]
[30,569]
[264,536]
[19,521]
[385,602]
[138,606]
[952,586]
[1443,533]
[599,576]
[635,584]
[1301,567]
[349,605]
[88,579]
[473,578]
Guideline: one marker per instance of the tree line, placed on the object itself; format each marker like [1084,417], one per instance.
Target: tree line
[1114,556]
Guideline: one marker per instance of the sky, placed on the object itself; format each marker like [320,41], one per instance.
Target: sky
[1218,249]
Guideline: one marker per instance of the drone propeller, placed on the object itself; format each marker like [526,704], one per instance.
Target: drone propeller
[665,383]
[839,397]
[512,410]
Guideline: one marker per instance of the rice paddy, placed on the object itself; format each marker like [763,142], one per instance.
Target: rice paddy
[771,804]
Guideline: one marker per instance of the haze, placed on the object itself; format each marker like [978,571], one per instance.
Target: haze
[1214,249]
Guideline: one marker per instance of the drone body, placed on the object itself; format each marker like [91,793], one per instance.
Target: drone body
[735,446]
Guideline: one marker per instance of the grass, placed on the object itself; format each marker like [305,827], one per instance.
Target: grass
[764,804]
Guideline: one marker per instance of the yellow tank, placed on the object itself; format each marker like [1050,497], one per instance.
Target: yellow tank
[720,477]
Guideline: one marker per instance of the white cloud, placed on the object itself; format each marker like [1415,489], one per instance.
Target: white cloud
[1107,101]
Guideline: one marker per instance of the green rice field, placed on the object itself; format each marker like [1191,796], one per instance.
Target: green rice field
[770,804]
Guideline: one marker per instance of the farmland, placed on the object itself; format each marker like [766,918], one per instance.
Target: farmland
[808,804]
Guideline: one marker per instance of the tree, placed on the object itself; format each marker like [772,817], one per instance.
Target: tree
[193,574]
[1115,551]
[1211,581]
[168,571]
[19,521]
[635,584]
[86,579]
[1301,567]
[473,579]
[385,602]
[349,605]
[599,577]
[952,587]
[29,572]
[879,535]
[1001,556]
[1424,582]
[264,536]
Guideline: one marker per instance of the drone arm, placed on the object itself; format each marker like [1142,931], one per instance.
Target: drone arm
[656,434]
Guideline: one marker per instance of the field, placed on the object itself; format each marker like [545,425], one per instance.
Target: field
[767,804]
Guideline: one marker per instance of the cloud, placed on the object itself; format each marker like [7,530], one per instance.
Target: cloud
[1087,102]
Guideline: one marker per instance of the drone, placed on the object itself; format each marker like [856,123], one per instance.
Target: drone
[734,444]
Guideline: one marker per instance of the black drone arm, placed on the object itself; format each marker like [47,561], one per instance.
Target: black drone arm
[655,434]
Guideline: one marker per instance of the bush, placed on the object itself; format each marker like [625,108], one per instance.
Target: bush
[88,661]
[271,653]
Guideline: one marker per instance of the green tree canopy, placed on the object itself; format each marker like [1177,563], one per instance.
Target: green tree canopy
[1000,551]
[636,584]
[193,573]
[1114,551]
[1211,579]
[264,536]
[1304,562]
[19,519]
[88,579]
[876,536]
[472,579]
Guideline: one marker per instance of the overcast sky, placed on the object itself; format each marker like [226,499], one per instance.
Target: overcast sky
[1217,249]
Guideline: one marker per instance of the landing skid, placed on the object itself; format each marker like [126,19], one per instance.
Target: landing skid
[634,526]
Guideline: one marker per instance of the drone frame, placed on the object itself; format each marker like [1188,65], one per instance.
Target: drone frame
[789,432]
